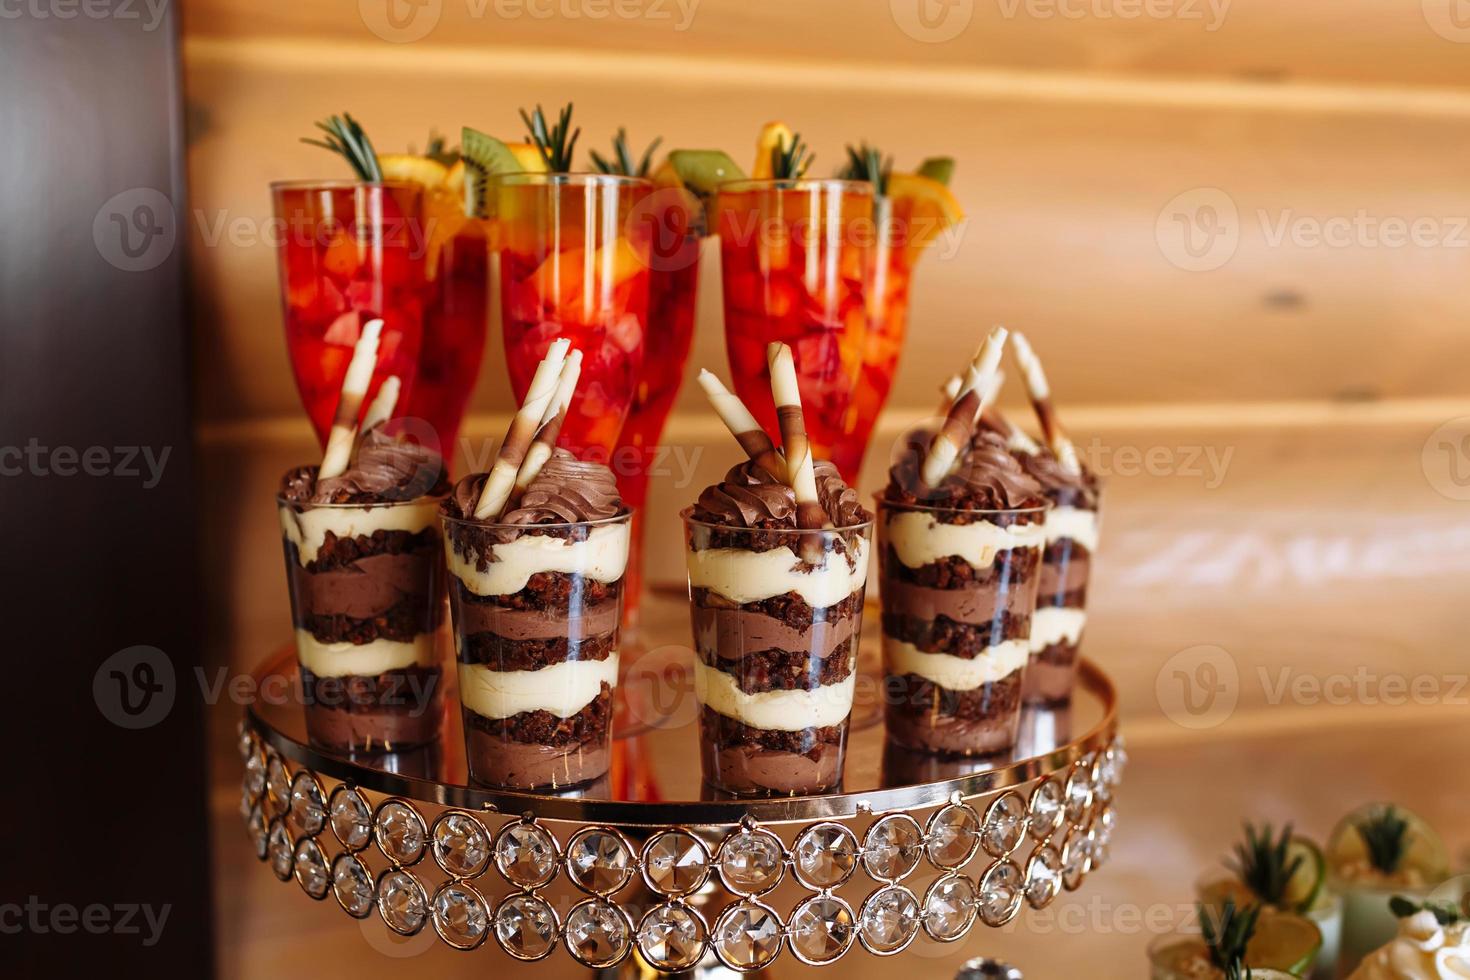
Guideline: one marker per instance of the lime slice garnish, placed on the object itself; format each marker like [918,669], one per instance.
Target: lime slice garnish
[1283,942]
[1306,883]
[1425,859]
[938,168]
[703,170]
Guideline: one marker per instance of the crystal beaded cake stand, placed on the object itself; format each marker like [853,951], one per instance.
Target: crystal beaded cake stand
[650,870]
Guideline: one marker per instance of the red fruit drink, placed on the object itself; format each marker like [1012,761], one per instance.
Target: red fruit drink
[796,260]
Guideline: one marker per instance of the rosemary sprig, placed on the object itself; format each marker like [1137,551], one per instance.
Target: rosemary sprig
[622,158]
[1445,913]
[867,163]
[1386,835]
[555,143]
[346,138]
[790,161]
[1260,862]
[1227,937]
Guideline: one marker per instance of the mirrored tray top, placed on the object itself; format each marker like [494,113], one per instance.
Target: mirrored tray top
[655,774]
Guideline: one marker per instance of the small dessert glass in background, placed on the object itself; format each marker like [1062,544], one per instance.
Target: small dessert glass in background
[536,610]
[777,616]
[958,591]
[367,598]
[1071,529]
[1325,912]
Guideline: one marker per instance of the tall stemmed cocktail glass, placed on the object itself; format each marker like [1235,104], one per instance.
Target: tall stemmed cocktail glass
[796,258]
[574,263]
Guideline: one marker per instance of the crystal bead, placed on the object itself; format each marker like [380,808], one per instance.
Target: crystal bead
[278,846]
[1043,876]
[1005,825]
[525,927]
[255,826]
[460,916]
[1074,860]
[1107,820]
[1001,893]
[311,869]
[461,844]
[821,929]
[1046,808]
[308,810]
[525,853]
[954,834]
[825,855]
[402,902]
[255,774]
[949,907]
[400,832]
[675,863]
[247,801]
[671,937]
[751,862]
[245,744]
[598,861]
[893,847]
[1115,760]
[351,819]
[747,936]
[1078,796]
[889,919]
[598,935]
[278,782]
[352,885]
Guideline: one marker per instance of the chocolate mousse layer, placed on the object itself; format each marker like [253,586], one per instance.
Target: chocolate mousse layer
[959,567]
[769,653]
[555,631]
[365,571]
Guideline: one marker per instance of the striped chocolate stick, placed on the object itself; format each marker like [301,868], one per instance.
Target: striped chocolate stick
[954,433]
[502,479]
[381,409]
[743,426]
[800,474]
[1046,413]
[544,443]
[349,403]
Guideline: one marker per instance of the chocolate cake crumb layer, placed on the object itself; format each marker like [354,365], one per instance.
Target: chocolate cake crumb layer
[411,618]
[924,716]
[550,589]
[1057,654]
[729,732]
[500,654]
[410,690]
[1050,675]
[335,552]
[544,728]
[784,670]
[788,608]
[953,572]
[944,635]
[532,623]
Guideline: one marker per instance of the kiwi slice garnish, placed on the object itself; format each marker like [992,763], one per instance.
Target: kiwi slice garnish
[938,168]
[702,171]
[483,155]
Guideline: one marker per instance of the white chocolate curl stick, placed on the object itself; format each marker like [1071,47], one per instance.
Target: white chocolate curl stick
[954,434]
[1040,392]
[743,426]
[354,389]
[381,409]
[502,479]
[556,415]
[800,473]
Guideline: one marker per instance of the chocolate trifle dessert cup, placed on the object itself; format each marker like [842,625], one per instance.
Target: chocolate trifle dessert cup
[1071,538]
[537,552]
[960,536]
[365,570]
[778,561]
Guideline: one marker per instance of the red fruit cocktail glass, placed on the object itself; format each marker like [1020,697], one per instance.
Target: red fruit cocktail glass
[677,229]
[795,258]
[574,263]
[349,252]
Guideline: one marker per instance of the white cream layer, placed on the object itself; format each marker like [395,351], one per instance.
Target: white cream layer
[955,673]
[602,557]
[919,539]
[751,576]
[308,529]
[774,711]
[1056,624]
[562,689]
[365,659]
[1072,522]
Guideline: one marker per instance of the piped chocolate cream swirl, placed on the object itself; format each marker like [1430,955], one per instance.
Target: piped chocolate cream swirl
[986,477]
[565,491]
[385,469]
[751,497]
